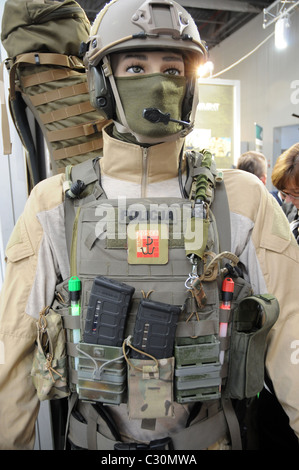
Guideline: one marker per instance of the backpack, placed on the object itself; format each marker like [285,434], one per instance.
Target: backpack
[151,333]
[42,39]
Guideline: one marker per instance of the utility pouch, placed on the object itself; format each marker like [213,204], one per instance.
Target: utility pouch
[253,319]
[49,369]
[150,388]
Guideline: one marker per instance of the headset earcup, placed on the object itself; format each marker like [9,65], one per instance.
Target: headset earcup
[101,96]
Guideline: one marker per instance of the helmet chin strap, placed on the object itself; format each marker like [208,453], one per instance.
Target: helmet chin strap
[123,126]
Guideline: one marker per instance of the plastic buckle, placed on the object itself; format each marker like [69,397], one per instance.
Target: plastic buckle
[158,444]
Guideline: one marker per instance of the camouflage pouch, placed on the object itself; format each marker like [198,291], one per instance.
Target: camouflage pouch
[49,369]
[150,388]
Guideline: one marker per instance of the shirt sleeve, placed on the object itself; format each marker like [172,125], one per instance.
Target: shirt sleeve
[278,253]
[266,247]
[18,402]
[27,246]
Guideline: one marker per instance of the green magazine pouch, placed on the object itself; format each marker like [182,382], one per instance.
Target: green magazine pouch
[101,373]
[253,319]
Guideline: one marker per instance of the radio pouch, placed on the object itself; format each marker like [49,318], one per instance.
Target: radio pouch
[150,388]
[49,368]
[253,319]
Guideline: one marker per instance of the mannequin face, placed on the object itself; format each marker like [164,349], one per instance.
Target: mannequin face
[147,62]
[149,79]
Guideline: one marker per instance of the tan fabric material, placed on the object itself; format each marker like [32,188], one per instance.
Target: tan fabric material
[18,400]
[128,161]
[36,259]
[278,256]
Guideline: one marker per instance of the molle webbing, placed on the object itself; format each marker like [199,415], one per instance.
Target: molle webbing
[47,75]
[54,87]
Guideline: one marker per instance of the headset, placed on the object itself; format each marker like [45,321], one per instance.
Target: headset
[101,96]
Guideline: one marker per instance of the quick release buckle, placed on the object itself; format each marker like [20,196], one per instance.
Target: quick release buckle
[158,444]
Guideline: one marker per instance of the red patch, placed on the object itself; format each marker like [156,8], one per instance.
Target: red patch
[147,243]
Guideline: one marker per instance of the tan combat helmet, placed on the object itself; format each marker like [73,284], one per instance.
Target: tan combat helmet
[124,25]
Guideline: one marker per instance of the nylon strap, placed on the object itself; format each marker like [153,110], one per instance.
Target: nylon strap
[32,58]
[199,436]
[67,112]
[61,93]
[87,171]
[71,405]
[76,131]
[92,429]
[4,116]
[79,149]
[48,76]
[233,424]
[220,208]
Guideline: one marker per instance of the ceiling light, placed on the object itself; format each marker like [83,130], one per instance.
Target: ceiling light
[205,70]
[282,27]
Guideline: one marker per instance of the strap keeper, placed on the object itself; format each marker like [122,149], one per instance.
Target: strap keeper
[36,59]
[66,186]
[107,69]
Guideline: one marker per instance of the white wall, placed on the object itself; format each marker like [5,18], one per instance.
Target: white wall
[13,185]
[13,196]
[269,79]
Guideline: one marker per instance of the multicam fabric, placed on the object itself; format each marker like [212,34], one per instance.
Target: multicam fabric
[49,364]
[150,388]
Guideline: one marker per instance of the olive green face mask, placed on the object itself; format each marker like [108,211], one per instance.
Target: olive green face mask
[151,91]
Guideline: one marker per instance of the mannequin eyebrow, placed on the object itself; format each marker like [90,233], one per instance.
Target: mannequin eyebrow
[145,57]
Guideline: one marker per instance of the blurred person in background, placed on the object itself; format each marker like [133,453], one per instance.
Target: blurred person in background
[285,177]
[254,162]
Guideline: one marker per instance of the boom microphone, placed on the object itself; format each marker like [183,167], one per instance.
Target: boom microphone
[154,115]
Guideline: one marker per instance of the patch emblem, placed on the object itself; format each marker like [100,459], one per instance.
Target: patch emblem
[147,244]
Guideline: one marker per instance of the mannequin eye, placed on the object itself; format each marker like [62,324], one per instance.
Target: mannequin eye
[173,71]
[135,69]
